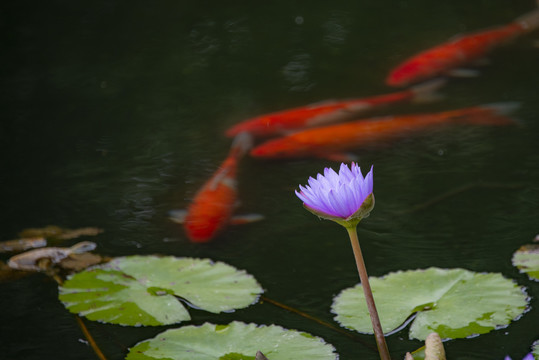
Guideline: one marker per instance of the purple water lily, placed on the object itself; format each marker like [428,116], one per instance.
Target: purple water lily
[346,198]
[338,195]
[527,357]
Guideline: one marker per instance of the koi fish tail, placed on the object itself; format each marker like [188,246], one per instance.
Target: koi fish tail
[530,21]
[426,92]
[492,114]
[243,142]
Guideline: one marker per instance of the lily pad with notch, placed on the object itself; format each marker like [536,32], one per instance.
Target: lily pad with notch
[455,303]
[146,290]
[526,259]
[234,341]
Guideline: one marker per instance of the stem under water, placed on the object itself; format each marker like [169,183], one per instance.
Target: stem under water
[315,319]
[364,278]
[82,326]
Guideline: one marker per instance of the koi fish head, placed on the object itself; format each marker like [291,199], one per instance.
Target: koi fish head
[278,148]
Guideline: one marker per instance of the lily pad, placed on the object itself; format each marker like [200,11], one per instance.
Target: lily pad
[526,259]
[144,290]
[455,303]
[236,341]
[535,349]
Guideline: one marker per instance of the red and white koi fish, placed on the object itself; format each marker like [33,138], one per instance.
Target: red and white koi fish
[327,112]
[332,141]
[459,51]
[213,205]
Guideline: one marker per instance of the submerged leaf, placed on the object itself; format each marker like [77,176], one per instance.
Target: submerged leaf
[56,232]
[233,341]
[37,237]
[455,303]
[50,231]
[526,259]
[142,290]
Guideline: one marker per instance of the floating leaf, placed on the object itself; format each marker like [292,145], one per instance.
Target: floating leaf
[79,262]
[30,260]
[535,349]
[455,303]
[23,244]
[232,342]
[142,290]
[526,259]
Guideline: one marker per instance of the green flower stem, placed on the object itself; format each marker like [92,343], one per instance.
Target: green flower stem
[362,270]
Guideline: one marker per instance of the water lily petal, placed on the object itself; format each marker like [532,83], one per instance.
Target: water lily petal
[336,203]
[345,173]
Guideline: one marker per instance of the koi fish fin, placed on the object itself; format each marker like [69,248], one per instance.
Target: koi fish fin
[464,73]
[426,92]
[341,157]
[503,108]
[178,216]
[495,114]
[529,21]
[245,219]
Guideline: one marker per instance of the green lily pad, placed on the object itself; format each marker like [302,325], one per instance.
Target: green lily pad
[535,349]
[526,259]
[234,341]
[455,303]
[144,290]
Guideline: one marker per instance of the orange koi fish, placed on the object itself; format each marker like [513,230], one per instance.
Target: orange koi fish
[327,112]
[212,208]
[331,141]
[461,50]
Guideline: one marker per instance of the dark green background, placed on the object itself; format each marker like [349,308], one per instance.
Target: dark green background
[113,113]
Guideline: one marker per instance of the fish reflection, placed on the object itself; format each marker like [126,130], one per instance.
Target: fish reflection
[212,208]
[330,142]
[328,112]
[459,51]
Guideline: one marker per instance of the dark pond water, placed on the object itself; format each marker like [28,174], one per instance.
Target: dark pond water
[113,113]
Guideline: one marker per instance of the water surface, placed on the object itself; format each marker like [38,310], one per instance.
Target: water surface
[114,113]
